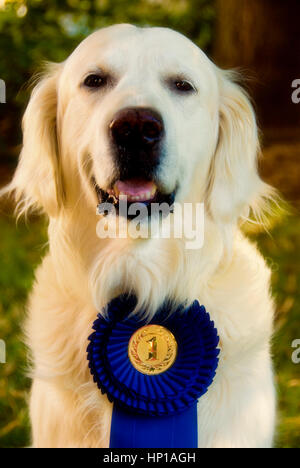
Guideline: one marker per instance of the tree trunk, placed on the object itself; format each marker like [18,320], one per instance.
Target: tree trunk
[263,38]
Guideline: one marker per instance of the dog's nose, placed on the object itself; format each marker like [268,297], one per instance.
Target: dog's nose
[137,128]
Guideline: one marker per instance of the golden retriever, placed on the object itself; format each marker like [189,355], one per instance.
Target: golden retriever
[143,113]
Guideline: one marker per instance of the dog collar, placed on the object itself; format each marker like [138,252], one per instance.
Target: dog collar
[154,371]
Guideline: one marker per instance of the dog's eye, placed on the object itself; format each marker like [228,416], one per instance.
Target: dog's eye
[95,81]
[183,86]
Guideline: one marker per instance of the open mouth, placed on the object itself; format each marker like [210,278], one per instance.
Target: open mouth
[124,193]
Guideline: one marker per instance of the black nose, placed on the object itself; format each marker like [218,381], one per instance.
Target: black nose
[137,129]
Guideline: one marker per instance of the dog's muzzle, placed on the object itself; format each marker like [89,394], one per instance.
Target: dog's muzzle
[136,135]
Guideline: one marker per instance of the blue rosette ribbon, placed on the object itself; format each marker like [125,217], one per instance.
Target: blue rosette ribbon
[157,411]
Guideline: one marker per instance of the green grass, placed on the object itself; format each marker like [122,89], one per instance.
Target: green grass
[21,249]
[282,251]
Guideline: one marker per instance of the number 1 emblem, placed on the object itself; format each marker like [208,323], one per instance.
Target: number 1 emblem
[152,349]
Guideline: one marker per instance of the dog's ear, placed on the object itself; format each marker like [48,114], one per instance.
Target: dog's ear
[37,180]
[234,184]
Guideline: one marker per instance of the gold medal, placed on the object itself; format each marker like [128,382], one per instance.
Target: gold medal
[152,349]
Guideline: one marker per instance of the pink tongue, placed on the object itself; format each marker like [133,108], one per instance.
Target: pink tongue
[135,186]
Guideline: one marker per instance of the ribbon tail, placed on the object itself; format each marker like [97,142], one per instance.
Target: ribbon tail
[134,430]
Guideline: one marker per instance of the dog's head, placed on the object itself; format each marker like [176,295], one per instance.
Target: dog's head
[141,113]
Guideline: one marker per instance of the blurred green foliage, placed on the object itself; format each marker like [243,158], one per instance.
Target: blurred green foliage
[21,249]
[34,31]
[281,249]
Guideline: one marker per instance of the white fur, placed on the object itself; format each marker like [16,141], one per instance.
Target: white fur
[211,152]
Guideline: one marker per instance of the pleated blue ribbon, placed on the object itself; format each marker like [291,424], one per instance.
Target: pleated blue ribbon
[153,411]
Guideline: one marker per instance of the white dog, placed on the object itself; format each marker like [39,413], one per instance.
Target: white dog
[143,113]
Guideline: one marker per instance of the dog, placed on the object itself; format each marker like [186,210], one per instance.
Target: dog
[143,113]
